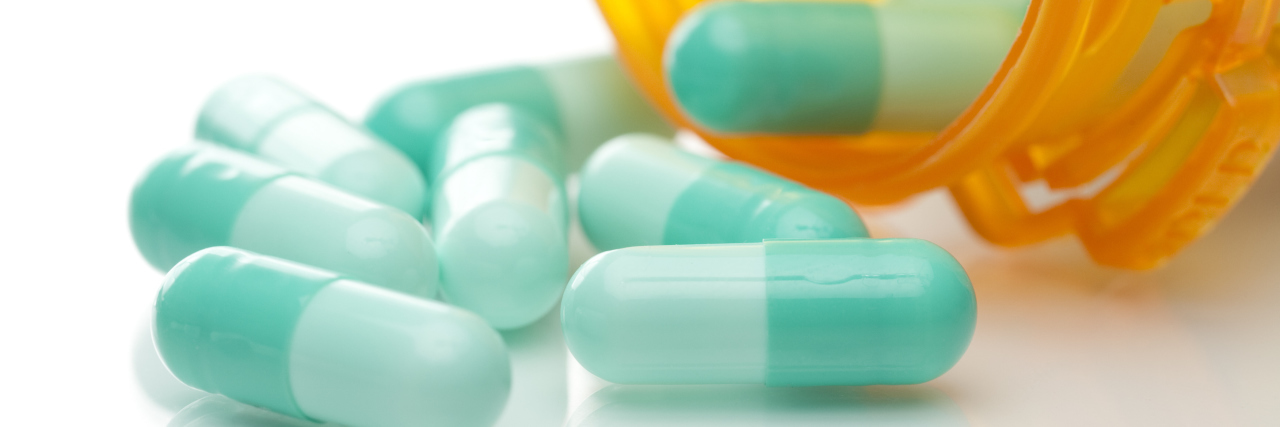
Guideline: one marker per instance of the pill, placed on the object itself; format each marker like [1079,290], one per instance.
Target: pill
[269,118]
[639,190]
[499,215]
[780,313]
[205,195]
[835,67]
[587,100]
[314,345]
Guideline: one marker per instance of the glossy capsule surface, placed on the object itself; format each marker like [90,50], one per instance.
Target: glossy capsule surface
[267,117]
[781,313]
[836,67]
[204,195]
[314,345]
[586,100]
[499,215]
[639,190]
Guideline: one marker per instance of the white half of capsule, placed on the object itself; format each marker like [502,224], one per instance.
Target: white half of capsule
[916,37]
[305,221]
[501,232]
[665,172]
[352,337]
[714,298]
[320,144]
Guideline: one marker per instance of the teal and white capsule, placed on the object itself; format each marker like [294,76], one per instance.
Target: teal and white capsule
[269,118]
[780,313]
[318,346]
[836,67]
[204,195]
[640,190]
[500,215]
[587,101]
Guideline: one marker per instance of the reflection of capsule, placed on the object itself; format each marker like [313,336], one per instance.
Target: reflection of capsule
[267,117]
[588,101]
[499,215]
[835,67]
[204,195]
[752,405]
[782,312]
[157,383]
[639,190]
[307,343]
[219,411]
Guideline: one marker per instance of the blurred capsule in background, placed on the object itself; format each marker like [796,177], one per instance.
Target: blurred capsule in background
[499,215]
[219,411]
[780,313]
[204,195]
[587,101]
[310,344]
[836,67]
[269,118]
[640,190]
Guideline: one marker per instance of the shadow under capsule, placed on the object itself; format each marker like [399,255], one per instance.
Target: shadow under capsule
[759,406]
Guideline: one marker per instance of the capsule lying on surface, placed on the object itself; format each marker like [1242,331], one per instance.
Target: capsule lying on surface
[587,101]
[835,67]
[499,215]
[269,118]
[310,344]
[204,195]
[780,313]
[639,190]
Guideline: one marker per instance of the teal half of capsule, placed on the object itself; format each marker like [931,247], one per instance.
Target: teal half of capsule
[311,344]
[780,313]
[836,67]
[269,118]
[640,190]
[204,195]
[499,215]
[587,101]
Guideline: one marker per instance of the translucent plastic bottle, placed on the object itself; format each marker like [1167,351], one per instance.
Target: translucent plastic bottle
[267,117]
[499,215]
[641,190]
[204,195]
[781,313]
[310,344]
[587,100]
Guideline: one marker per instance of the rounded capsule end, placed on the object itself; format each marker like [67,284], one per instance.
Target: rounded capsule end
[383,175]
[505,261]
[807,215]
[744,67]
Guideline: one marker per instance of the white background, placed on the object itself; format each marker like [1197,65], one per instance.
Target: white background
[92,92]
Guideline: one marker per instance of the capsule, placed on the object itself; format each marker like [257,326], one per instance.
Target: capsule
[204,195]
[640,190]
[836,67]
[499,215]
[587,101]
[269,118]
[313,345]
[780,313]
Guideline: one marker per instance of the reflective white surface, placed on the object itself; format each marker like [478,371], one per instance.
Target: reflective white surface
[92,92]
